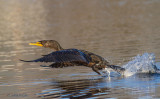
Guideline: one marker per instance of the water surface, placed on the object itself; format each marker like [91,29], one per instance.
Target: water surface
[116,30]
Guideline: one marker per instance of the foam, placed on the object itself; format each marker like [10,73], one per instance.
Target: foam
[140,64]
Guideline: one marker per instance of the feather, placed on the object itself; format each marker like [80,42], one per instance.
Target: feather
[67,55]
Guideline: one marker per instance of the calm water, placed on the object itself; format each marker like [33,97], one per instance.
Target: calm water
[117,30]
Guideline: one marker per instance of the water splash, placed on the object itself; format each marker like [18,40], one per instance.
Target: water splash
[141,64]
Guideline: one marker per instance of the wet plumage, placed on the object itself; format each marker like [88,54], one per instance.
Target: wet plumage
[72,57]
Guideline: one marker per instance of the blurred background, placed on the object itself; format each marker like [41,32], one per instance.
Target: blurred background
[117,30]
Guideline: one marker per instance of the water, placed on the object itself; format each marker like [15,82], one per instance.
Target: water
[126,33]
[141,64]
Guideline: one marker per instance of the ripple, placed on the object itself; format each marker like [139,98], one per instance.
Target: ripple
[7,66]
[21,84]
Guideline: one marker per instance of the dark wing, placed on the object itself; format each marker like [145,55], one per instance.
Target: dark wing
[68,55]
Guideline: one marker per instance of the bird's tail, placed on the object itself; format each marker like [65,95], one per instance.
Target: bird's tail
[117,68]
[26,61]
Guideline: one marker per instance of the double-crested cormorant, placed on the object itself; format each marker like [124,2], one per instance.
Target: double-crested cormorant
[72,57]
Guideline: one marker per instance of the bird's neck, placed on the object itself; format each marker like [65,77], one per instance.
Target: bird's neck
[59,48]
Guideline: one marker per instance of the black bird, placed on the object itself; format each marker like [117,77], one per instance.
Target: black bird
[73,57]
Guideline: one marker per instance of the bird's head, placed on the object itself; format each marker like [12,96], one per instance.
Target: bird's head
[52,44]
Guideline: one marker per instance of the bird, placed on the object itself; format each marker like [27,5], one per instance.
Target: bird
[61,57]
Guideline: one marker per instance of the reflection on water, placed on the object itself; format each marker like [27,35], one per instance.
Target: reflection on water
[116,30]
[83,88]
[130,87]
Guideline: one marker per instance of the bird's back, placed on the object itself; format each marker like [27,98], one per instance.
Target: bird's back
[94,58]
